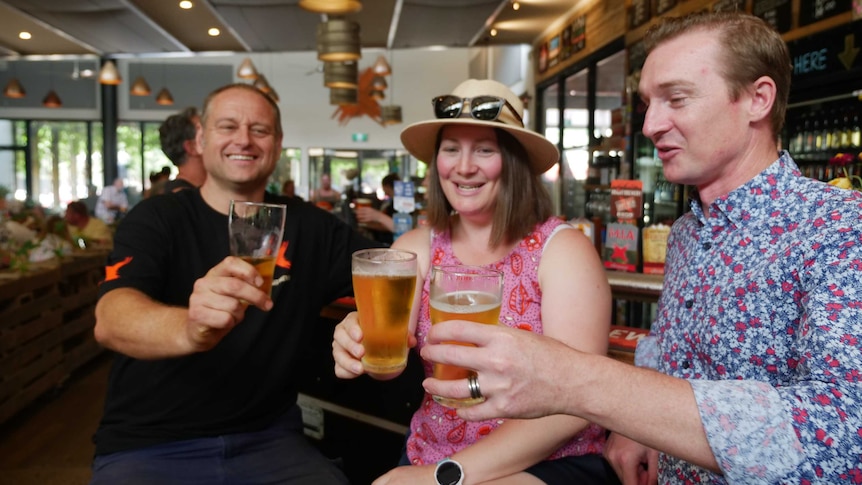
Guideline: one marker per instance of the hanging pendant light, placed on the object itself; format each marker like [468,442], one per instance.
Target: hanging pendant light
[391,114]
[338,40]
[109,74]
[140,87]
[164,98]
[52,100]
[381,67]
[342,96]
[246,70]
[379,83]
[341,74]
[331,7]
[377,94]
[14,89]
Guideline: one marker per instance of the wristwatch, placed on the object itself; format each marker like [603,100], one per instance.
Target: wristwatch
[449,472]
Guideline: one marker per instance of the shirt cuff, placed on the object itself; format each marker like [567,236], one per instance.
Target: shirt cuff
[647,352]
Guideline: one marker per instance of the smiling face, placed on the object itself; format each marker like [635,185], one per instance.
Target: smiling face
[239,140]
[699,130]
[469,165]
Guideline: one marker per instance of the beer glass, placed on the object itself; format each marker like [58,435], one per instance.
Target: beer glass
[383,284]
[255,230]
[469,293]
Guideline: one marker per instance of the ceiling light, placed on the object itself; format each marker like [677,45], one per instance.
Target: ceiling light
[109,74]
[379,83]
[213,31]
[185,4]
[164,97]
[140,87]
[331,6]
[24,35]
[338,40]
[516,5]
[340,74]
[381,67]
[246,70]
[493,32]
[390,115]
[377,94]
[342,96]
[51,100]
[14,89]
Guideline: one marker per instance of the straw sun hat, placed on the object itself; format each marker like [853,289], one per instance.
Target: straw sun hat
[420,138]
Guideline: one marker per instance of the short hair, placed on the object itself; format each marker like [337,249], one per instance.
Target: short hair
[250,88]
[751,48]
[175,131]
[78,207]
[523,200]
[389,180]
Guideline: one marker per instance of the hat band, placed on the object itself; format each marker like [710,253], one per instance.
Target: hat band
[482,108]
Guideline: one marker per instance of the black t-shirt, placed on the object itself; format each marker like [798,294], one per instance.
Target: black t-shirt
[249,379]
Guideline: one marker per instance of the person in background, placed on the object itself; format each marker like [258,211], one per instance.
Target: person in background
[325,196]
[203,388]
[157,181]
[113,202]
[488,207]
[751,371]
[177,136]
[379,221]
[81,226]
[288,189]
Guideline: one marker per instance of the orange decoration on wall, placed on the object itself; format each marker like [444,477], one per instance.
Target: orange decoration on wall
[365,104]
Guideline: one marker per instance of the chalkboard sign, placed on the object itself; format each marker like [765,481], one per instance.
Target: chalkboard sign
[639,13]
[662,6]
[776,13]
[815,10]
[729,6]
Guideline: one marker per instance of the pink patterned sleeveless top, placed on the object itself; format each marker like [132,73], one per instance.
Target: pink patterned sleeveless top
[437,432]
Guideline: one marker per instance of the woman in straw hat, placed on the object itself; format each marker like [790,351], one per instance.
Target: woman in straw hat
[488,207]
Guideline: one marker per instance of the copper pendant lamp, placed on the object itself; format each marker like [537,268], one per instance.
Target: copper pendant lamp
[14,89]
[164,98]
[246,69]
[140,87]
[52,100]
[109,74]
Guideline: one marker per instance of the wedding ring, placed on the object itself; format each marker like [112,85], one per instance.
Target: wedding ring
[473,384]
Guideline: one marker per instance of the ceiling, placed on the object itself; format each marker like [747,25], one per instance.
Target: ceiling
[128,28]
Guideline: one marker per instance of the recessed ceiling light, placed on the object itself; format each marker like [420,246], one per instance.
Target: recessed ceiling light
[493,32]
[185,4]
[24,35]
[213,31]
[516,5]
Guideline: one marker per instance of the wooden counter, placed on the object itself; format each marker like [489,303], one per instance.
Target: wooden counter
[46,326]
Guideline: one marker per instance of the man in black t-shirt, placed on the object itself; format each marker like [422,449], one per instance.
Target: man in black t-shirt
[203,387]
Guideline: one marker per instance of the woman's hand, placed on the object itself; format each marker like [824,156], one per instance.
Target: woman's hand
[347,349]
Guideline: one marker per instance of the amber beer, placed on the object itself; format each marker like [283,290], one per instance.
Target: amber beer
[384,281]
[472,306]
[460,292]
[266,268]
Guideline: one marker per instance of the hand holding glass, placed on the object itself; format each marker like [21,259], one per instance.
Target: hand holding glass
[383,284]
[255,230]
[469,293]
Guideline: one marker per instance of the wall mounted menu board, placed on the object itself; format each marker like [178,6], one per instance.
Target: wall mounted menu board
[776,13]
[662,6]
[639,13]
[816,10]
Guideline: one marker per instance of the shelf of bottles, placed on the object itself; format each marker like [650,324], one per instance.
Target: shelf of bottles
[819,133]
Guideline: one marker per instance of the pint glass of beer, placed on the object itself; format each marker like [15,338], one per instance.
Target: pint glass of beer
[255,230]
[469,293]
[384,280]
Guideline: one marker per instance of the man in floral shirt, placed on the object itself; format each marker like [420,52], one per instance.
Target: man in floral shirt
[758,336]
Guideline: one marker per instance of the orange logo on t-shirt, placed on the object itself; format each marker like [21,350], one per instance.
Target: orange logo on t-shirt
[281,261]
[112,272]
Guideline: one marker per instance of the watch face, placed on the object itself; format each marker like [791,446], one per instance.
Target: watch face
[448,473]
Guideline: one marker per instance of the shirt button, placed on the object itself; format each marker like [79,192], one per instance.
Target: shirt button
[686,364]
[706,246]
[689,303]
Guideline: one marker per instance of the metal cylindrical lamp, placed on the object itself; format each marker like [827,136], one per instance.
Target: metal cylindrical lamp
[342,96]
[338,40]
[331,7]
[391,114]
[341,74]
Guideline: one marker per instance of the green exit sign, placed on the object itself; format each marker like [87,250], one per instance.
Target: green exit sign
[360,137]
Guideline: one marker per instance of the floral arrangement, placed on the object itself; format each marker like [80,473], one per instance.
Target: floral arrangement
[843,160]
[28,235]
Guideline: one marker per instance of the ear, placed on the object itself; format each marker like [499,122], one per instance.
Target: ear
[191,146]
[199,139]
[763,94]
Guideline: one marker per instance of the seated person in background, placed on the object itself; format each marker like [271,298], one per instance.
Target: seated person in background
[90,229]
[488,207]
[325,196]
[380,221]
[177,136]
[113,202]
[288,189]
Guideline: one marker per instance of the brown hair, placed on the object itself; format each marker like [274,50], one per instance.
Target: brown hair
[523,201]
[247,87]
[750,49]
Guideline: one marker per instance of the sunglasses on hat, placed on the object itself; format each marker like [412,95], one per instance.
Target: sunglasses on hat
[483,108]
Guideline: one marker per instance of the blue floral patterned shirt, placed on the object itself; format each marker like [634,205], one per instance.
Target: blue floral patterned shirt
[762,312]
